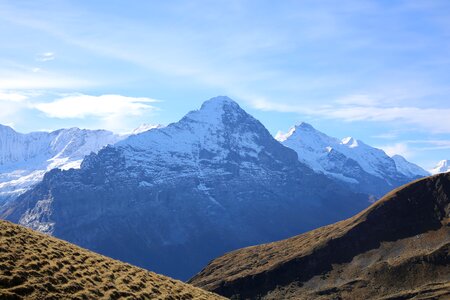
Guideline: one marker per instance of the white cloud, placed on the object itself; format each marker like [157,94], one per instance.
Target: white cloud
[359,99]
[431,144]
[12,104]
[47,56]
[398,148]
[104,106]
[414,148]
[386,135]
[12,96]
[433,120]
[19,80]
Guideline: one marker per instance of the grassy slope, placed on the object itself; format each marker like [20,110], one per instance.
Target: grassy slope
[398,246]
[36,266]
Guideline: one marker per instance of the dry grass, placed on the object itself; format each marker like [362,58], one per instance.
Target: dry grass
[400,249]
[36,266]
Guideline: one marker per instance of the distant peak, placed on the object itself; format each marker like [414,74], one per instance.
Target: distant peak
[398,157]
[442,167]
[304,125]
[146,127]
[6,128]
[213,109]
[219,102]
[281,136]
[300,128]
[350,141]
[217,110]
[444,162]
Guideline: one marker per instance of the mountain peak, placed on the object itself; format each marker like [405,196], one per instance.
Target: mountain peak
[442,167]
[444,163]
[305,126]
[146,127]
[219,102]
[297,129]
[215,111]
[407,168]
[350,141]
[6,128]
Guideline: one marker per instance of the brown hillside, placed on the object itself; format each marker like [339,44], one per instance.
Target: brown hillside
[399,248]
[36,266]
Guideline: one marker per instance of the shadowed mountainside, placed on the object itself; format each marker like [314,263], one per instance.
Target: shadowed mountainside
[37,266]
[398,248]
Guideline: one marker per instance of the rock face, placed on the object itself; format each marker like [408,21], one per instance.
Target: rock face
[173,198]
[24,158]
[398,248]
[36,266]
[362,167]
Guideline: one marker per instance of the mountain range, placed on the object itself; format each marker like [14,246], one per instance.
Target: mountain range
[364,168]
[210,183]
[24,158]
[399,248]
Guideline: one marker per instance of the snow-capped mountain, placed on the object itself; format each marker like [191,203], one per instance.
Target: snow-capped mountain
[212,182]
[442,167]
[366,168]
[146,127]
[24,158]
[407,168]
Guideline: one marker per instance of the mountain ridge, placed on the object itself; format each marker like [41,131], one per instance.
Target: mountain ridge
[24,158]
[37,266]
[396,228]
[364,168]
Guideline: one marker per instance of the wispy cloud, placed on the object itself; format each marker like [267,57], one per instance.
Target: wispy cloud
[413,148]
[110,111]
[104,106]
[12,103]
[398,148]
[357,108]
[47,56]
[12,96]
[38,79]
[386,135]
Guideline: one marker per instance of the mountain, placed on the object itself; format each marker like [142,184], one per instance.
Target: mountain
[362,167]
[442,167]
[36,266]
[212,182]
[24,158]
[398,248]
[407,168]
[146,127]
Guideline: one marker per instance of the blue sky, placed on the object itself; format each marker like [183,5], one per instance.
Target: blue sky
[375,70]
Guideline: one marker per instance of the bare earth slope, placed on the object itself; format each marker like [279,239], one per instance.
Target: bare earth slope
[399,248]
[37,266]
